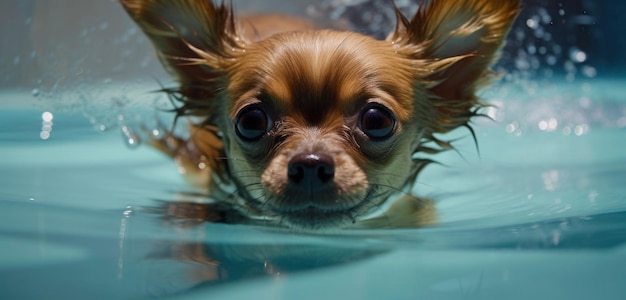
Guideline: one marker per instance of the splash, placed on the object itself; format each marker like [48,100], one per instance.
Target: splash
[550,82]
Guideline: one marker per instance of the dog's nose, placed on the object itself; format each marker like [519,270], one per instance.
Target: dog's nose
[311,171]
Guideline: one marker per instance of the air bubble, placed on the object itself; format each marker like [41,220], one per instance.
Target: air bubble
[35,92]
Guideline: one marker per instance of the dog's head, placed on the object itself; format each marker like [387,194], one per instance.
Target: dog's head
[320,127]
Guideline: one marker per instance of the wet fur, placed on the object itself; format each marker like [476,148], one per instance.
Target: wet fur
[316,82]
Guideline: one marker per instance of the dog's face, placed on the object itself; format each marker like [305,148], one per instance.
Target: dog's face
[321,127]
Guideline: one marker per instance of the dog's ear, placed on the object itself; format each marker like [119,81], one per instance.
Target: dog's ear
[195,39]
[451,45]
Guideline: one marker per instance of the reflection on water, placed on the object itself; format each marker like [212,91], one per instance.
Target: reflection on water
[211,264]
[59,252]
[148,256]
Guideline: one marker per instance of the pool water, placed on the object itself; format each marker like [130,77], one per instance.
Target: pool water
[538,213]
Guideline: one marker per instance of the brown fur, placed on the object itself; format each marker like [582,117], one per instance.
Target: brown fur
[314,85]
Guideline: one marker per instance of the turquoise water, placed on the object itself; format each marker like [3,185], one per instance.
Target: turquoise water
[540,213]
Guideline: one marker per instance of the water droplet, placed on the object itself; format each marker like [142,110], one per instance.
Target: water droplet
[581,129]
[522,63]
[512,127]
[157,133]
[47,116]
[545,16]
[569,66]
[553,123]
[543,125]
[128,211]
[131,138]
[35,92]
[577,55]
[543,50]
[589,71]
[567,130]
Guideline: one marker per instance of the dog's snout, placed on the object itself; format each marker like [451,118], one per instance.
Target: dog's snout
[311,170]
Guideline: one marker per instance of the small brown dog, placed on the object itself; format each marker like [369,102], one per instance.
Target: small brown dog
[318,128]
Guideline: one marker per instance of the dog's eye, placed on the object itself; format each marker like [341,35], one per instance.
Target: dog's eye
[377,122]
[252,123]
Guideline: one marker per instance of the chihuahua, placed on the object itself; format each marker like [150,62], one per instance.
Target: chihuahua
[316,129]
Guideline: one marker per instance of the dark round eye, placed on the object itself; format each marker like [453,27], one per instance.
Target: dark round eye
[252,122]
[377,122]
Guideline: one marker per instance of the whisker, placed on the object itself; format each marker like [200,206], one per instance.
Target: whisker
[394,189]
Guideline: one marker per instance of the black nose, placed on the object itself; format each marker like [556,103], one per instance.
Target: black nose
[311,171]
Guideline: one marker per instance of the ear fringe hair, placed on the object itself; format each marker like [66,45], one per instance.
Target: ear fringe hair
[195,40]
[428,40]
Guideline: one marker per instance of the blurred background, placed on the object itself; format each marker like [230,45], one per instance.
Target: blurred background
[68,53]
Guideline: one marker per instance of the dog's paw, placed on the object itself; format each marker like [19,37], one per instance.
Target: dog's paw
[197,156]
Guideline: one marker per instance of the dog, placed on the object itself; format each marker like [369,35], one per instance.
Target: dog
[314,129]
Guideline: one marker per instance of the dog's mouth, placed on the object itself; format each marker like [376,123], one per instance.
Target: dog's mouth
[318,211]
[314,218]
